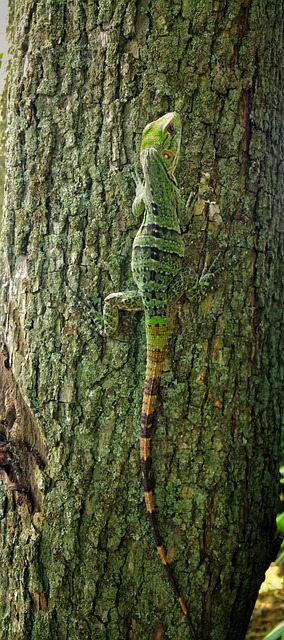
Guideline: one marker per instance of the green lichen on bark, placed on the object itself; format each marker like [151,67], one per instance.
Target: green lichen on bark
[84,81]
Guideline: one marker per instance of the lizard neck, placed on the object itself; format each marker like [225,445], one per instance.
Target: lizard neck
[161,193]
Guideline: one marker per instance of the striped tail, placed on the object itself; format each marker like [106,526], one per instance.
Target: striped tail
[157,338]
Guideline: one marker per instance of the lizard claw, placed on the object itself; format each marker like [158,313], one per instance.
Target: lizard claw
[206,275]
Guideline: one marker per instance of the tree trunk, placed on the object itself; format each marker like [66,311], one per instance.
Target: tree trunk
[77,557]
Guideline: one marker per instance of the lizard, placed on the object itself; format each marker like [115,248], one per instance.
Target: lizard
[157,255]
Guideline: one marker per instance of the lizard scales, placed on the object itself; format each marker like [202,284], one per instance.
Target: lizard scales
[157,255]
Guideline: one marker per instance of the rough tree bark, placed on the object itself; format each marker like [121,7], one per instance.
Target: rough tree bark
[77,557]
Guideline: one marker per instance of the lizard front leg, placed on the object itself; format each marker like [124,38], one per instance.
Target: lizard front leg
[138,205]
[115,302]
[186,282]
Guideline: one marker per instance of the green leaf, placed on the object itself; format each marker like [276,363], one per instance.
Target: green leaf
[280,523]
[276,633]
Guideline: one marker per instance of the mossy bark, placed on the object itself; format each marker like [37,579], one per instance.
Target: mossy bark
[77,557]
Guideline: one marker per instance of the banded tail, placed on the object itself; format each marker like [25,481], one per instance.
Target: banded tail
[157,339]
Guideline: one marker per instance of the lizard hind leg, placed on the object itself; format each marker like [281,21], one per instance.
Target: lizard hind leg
[115,302]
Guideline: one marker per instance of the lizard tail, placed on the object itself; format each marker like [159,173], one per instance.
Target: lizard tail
[157,338]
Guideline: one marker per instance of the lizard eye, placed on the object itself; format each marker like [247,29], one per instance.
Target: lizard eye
[167,154]
[170,130]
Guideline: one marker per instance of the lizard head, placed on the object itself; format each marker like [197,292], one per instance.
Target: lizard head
[163,135]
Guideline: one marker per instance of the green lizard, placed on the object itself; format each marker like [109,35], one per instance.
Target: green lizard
[157,255]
